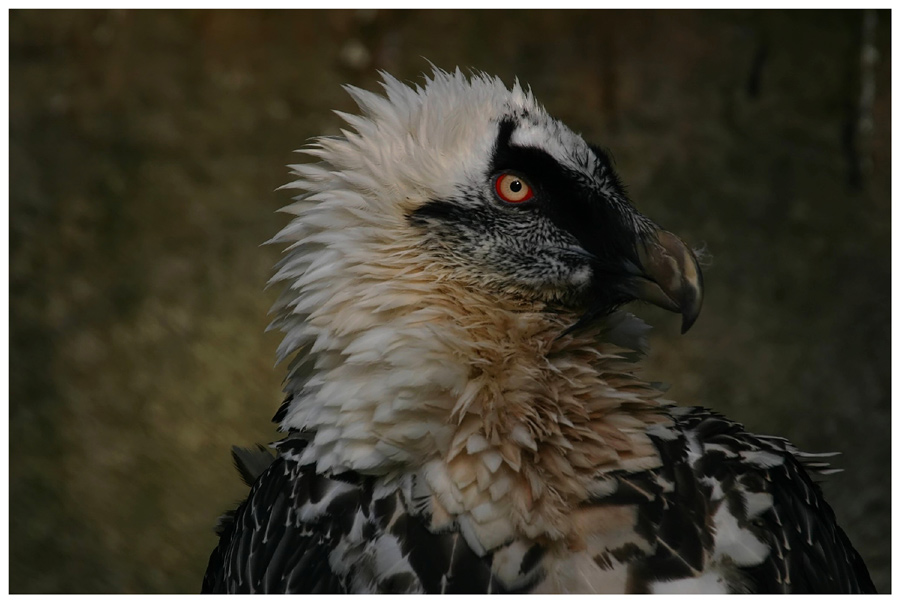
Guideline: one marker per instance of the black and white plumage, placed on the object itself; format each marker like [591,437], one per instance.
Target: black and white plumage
[462,411]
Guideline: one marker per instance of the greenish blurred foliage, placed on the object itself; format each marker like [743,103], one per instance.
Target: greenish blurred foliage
[145,148]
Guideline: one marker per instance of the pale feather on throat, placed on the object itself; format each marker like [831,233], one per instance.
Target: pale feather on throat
[416,368]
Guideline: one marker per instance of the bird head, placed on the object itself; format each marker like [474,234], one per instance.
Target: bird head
[507,198]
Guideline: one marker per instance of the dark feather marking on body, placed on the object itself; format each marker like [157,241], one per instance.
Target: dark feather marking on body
[251,463]
[265,547]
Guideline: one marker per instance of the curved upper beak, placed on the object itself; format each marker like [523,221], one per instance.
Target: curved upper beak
[669,276]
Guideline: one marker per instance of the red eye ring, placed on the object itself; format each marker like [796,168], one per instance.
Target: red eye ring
[511,188]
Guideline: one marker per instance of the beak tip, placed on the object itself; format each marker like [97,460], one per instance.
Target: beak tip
[691,310]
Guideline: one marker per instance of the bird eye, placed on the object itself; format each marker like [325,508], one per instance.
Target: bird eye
[512,189]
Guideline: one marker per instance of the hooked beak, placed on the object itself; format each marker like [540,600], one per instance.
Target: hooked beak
[669,276]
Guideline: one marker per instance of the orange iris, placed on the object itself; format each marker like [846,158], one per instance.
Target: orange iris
[512,188]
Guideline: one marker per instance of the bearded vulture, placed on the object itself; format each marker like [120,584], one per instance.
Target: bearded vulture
[463,413]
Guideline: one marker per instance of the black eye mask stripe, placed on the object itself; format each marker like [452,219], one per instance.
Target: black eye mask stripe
[570,199]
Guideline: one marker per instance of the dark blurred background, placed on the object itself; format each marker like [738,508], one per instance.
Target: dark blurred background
[145,148]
